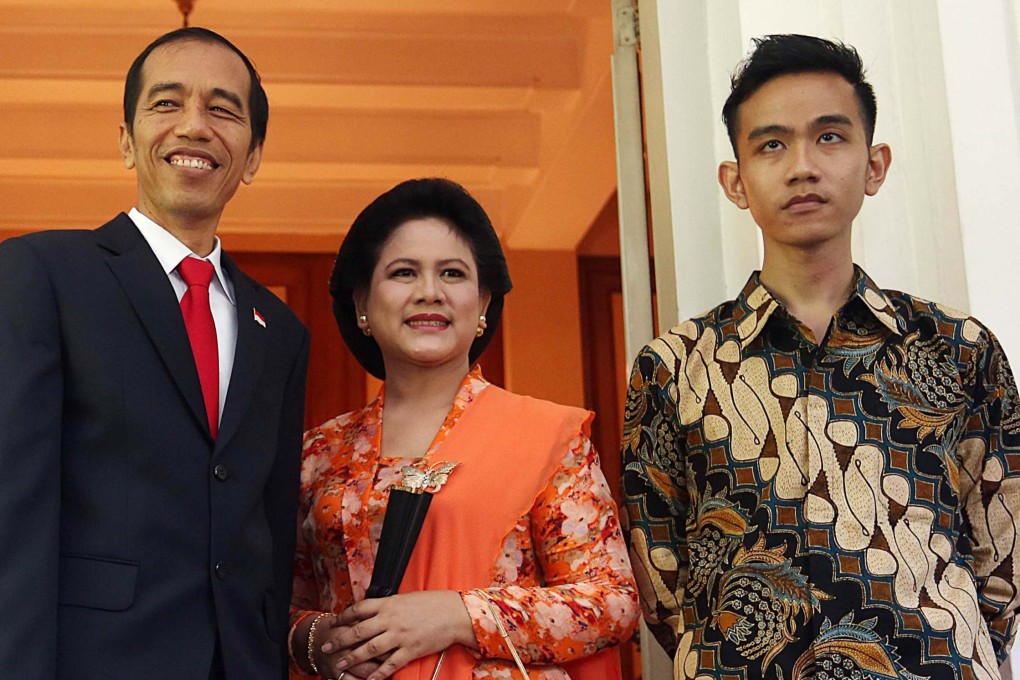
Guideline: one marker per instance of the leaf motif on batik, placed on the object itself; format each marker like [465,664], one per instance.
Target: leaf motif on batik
[921,383]
[850,650]
[716,533]
[760,599]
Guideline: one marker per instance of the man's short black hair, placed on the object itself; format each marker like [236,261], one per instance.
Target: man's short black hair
[258,103]
[779,55]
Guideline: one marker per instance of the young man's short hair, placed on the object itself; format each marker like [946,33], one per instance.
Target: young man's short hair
[783,54]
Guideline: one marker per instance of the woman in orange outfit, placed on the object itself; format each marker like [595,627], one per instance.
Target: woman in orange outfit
[520,566]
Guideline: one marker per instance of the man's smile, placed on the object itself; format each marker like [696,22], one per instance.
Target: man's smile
[192,159]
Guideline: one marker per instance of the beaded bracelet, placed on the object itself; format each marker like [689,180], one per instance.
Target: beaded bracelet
[311,641]
[290,635]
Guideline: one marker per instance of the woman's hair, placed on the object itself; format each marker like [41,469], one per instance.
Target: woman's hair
[359,254]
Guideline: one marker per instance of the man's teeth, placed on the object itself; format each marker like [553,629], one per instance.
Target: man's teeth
[191,163]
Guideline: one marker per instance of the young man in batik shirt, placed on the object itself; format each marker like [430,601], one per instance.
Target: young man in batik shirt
[821,476]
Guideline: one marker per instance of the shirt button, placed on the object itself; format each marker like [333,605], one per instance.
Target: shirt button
[220,471]
[221,570]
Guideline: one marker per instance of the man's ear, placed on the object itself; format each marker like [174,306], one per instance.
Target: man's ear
[732,185]
[127,147]
[879,160]
[251,165]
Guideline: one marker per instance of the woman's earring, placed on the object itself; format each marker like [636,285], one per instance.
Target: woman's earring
[481,326]
[363,322]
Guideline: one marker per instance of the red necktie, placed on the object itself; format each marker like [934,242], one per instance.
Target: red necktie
[202,332]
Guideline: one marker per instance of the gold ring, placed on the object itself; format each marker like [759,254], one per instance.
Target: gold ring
[341,676]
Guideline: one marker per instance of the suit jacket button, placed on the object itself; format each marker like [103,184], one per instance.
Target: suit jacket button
[221,570]
[221,472]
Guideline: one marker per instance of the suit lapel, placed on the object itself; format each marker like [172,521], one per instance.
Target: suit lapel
[151,294]
[250,354]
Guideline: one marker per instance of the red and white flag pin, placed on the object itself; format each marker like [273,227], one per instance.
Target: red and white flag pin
[259,319]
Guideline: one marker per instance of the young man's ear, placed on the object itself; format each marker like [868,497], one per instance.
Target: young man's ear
[879,160]
[732,185]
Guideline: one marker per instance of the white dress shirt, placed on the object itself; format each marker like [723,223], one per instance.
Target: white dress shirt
[170,252]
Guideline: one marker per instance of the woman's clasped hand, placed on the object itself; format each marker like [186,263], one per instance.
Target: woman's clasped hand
[372,639]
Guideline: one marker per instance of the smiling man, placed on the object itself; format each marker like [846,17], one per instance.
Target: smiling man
[151,407]
[821,476]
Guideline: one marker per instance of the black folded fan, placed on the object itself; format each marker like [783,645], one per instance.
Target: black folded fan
[405,515]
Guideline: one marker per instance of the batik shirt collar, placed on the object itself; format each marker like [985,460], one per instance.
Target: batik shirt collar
[755,305]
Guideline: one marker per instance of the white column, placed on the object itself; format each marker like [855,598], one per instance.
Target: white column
[686,47]
[639,326]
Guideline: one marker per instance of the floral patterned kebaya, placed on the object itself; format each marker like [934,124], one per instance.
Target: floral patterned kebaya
[561,582]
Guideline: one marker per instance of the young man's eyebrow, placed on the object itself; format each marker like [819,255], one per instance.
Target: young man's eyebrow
[776,129]
[834,119]
[769,130]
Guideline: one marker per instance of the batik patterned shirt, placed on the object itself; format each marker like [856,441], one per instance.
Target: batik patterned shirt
[842,509]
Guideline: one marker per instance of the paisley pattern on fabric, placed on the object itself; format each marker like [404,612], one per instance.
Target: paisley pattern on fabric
[843,510]
[760,598]
[849,651]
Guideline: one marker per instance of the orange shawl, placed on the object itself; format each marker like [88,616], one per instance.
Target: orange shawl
[508,447]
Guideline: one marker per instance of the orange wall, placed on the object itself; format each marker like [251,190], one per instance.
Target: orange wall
[542,327]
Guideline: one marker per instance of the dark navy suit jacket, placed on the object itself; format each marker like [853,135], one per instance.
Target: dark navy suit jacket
[130,540]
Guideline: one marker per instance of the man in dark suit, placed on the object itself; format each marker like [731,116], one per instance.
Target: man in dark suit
[151,402]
